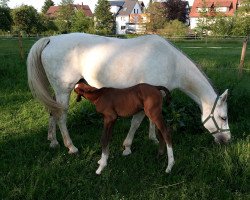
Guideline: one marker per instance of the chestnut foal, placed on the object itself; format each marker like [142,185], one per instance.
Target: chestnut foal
[112,102]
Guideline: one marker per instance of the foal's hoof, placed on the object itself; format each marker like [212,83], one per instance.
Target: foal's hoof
[54,144]
[126,152]
[168,171]
[73,150]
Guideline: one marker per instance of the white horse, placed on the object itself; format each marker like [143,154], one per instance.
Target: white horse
[61,61]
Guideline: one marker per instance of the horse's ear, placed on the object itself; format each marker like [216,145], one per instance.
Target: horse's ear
[223,97]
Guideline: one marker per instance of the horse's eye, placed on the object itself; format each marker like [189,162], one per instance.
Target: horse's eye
[224,118]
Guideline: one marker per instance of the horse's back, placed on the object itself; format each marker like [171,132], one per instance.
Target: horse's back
[111,62]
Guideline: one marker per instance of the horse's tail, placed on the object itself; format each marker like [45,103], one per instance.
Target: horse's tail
[37,79]
[167,92]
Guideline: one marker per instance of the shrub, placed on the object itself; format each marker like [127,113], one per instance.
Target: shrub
[174,28]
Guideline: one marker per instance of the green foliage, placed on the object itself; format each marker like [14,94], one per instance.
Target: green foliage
[25,18]
[157,16]
[4,3]
[5,19]
[64,16]
[81,23]
[47,5]
[242,19]
[48,26]
[104,19]
[222,25]
[237,25]
[174,28]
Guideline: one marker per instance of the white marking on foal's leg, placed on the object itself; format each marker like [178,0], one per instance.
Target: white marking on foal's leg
[170,159]
[102,162]
[151,134]
[52,132]
[135,123]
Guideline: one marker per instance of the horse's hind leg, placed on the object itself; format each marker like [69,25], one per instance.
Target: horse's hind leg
[152,132]
[52,132]
[63,99]
[135,123]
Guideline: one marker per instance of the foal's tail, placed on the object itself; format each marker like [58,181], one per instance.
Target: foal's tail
[167,92]
[37,79]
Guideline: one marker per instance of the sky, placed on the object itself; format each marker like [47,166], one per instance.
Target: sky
[37,4]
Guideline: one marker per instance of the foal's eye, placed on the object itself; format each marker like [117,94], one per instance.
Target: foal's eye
[224,118]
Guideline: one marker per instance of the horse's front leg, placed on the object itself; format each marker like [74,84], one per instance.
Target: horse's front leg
[135,123]
[63,99]
[106,136]
[52,132]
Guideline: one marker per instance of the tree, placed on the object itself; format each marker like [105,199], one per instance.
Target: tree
[176,9]
[5,19]
[81,23]
[47,5]
[104,19]
[3,3]
[47,25]
[26,19]
[64,17]
[242,19]
[157,16]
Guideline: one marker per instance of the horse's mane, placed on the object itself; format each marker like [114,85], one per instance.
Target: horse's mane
[199,67]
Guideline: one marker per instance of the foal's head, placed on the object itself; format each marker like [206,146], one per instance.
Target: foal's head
[216,120]
[81,89]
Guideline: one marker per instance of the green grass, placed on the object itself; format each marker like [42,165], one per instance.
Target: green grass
[203,170]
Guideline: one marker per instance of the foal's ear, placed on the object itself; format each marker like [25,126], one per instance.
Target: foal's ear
[223,97]
[78,89]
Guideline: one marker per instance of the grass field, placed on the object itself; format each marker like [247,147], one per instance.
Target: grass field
[203,170]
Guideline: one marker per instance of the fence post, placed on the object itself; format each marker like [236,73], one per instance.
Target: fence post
[243,54]
[20,44]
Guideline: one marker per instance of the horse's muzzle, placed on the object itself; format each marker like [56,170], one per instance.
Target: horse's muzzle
[222,138]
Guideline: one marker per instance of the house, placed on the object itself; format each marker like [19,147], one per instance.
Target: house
[201,9]
[129,16]
[53,10]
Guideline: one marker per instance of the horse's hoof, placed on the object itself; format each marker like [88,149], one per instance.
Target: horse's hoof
[73,150]
[126,152]
[154,139]
[54,144]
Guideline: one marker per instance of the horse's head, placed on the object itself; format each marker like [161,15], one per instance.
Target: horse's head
[215,119]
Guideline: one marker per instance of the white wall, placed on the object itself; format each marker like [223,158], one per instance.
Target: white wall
[193,22]
[121,22]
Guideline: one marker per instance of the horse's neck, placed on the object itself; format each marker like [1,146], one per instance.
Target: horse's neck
[196,85]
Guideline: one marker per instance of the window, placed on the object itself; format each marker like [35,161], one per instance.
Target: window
[123,27]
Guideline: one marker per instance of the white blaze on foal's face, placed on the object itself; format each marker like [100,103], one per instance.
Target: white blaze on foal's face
[216,122]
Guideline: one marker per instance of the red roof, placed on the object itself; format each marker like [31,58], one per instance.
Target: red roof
[211,5]
[85,8]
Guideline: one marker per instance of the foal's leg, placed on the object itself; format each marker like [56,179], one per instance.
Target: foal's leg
[52,132]
[135,123]
[157,118]
[106,136]
[63,99]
